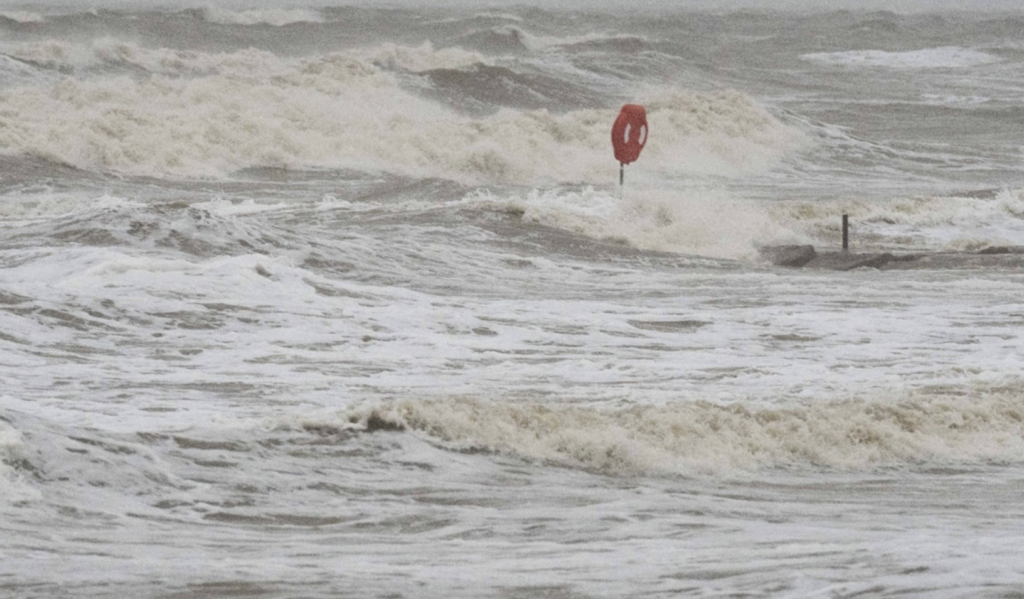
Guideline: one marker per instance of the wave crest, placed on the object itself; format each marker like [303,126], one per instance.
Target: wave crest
[708,438]
[13,486]
[277,17]
[21,16]
[944,223]
[949,57]
[700,222]
[207,115]
[421,58]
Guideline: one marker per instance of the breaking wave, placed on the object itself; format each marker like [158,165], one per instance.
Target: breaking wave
[513,39]
[703,222]
[267,16]
[201,229]
[932,58]
[21,16]
[206,115]
[107,53]
[710,438]
[13,486]
[944,223]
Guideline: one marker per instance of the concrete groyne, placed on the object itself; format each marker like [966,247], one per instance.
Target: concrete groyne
[807,256]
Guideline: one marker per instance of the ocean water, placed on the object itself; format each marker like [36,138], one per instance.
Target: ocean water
[341,301]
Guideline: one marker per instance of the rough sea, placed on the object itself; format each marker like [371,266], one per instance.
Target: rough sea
[347,301]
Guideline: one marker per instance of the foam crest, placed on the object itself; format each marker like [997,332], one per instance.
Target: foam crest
[53,54]
[499,16]
[721,133]
[13,486]
[277,17]
[13,72]
[704,222]
[22,16]
[250,63]
[537,43]
[949,57]
[951,223]
[588,39]
[203,229]
[421,58]
[66,56]
[502,39]
[710,438]
[207,115]
[205,126]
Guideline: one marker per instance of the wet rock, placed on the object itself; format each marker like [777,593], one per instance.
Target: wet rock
[805,256]
[793,256]
[848,261]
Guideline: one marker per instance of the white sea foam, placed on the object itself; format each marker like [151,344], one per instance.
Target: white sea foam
[137,365]
[499,15]
[544,42]
[49,205]
[249,63]
[69,56]
[955,100]
[16,72]
[52,54]
[13,486]
[250,108]
[22,16]
[949,57]
[420,58]
[950,223]
[718,133]
[261,16]
[710,438]
[705,222]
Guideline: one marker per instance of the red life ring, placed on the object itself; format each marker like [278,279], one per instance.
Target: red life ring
[629,133]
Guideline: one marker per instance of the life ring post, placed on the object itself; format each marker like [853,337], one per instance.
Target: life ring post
[629,134]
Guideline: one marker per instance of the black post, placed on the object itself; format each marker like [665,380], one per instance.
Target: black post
[846,233]
[622,173]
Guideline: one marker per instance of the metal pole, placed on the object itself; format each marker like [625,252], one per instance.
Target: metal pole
[846,232]
[622,173]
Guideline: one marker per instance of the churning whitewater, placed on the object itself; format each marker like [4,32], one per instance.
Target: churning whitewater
[348,302]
